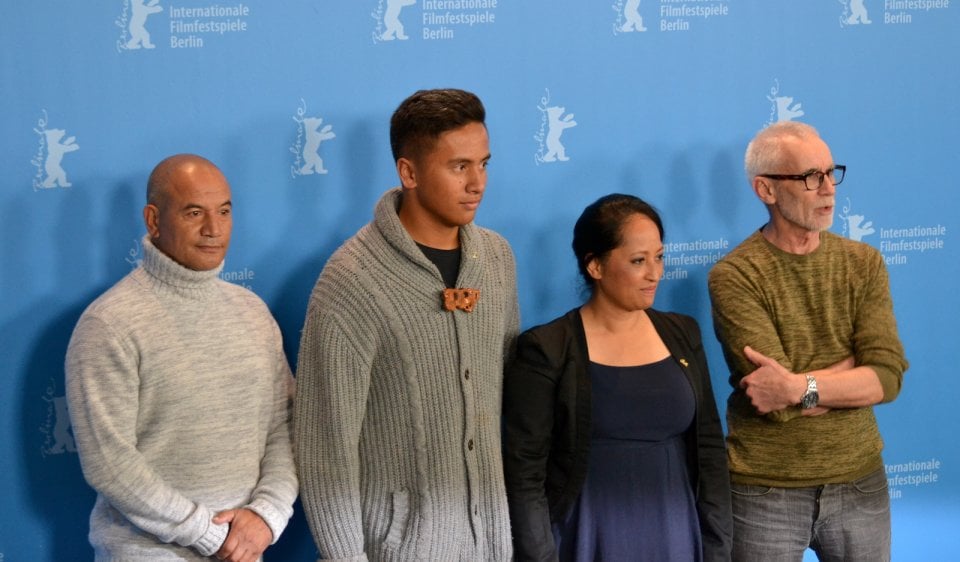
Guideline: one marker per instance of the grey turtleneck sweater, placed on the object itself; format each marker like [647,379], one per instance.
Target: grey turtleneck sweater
[179,394]
[397,416]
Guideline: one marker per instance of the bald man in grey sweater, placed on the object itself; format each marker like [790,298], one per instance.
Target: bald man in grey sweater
[179,391]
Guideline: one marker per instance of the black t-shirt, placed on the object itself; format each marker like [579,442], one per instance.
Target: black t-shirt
[447,261]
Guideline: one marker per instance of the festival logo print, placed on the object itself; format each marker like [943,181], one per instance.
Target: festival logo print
[686,256]
[438,19]
[675,15]
[895,12]
[132,22]
[389,26]
[853,226]
[854,13]
[628,17]
[188,27]
[53,145]
[58,438]
[910,475]
[897,244]
[553,122]
[307,146]
[782,108]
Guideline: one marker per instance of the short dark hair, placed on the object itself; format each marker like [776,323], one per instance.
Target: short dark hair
[425,115]
[599,230]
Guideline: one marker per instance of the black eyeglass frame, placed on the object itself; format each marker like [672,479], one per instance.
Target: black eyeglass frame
[803,177]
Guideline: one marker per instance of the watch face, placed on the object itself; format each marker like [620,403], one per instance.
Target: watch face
[809,400]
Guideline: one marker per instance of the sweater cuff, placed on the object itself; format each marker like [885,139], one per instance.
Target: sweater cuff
[889,381]
[211,541]
[270,515]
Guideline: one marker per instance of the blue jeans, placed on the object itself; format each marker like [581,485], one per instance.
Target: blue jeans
[840,522]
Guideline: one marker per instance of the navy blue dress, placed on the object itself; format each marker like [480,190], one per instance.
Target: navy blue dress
[636,502]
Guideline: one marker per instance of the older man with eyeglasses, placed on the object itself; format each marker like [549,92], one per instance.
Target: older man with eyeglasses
[805,319]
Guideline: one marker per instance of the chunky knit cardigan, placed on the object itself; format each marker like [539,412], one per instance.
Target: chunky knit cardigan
[397,415]
[179,394]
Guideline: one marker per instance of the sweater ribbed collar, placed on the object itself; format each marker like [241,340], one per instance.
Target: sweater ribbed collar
[386,219]
[171,277]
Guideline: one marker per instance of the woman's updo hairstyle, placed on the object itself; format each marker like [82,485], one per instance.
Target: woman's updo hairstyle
[599,229]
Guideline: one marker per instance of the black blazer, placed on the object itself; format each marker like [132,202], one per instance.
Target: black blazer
[546,409]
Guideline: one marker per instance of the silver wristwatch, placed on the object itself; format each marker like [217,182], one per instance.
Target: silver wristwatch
[811,397]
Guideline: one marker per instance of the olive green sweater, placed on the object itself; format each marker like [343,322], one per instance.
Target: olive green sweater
[807,312]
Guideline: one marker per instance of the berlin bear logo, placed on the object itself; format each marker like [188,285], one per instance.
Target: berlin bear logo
[56,175]
[52,146]
[855,14]
[854,226]
[58,438]
[555,150]
[315,135]
[632,20]
[133,22]
[782,108]
[393,27]
[786,109]
[553,122]
[310,135]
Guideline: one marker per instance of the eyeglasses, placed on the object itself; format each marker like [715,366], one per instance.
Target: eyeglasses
[812,180]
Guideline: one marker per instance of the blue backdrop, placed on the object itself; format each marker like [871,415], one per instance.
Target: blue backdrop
[292,99]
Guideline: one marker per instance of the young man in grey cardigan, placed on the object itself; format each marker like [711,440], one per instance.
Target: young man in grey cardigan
[397,414]
[179,391]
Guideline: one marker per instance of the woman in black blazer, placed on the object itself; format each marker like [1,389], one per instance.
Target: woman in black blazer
[613,445]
